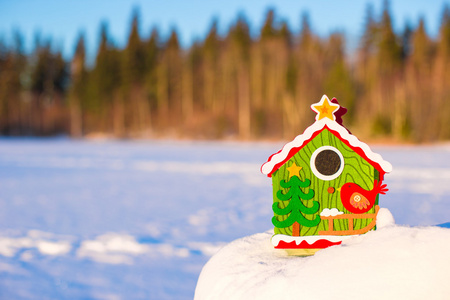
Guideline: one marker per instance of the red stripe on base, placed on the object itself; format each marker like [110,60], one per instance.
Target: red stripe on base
[319,244]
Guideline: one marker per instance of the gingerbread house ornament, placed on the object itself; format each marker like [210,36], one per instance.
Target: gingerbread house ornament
[326,185]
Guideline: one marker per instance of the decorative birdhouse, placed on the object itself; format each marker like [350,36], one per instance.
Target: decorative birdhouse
[326,184]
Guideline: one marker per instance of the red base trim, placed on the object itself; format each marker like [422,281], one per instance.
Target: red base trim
[319,244]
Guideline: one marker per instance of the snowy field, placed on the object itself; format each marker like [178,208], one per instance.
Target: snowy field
[138,220]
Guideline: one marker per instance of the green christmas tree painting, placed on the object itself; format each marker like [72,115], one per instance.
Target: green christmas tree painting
[296,209]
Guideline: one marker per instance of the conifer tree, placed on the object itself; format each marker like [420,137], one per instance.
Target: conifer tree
[134,62]
[49,76]
[13,65]
[422,49]
[268,30]
[133,74]
[152,56]
[389,51]
[240,47]
[309,59]
[211,48]
[368,38]
[419,82]
[297,208]
[77,92]
[338,81]
[105,106]
[406,41]
[443,45]
[442,75]
[169,81]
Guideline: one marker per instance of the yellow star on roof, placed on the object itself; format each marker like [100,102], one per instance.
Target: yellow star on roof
[294,170]
[325,109]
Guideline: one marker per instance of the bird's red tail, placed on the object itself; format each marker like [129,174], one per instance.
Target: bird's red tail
[379,188]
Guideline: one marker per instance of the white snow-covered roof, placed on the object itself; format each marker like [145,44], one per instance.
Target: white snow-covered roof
[279,158]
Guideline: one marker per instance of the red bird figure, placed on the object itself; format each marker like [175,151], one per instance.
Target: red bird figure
[358,200]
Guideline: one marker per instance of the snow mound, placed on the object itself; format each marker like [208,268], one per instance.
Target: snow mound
[331,212]
[46,243]
[385,218]
[393,262]
[117,248]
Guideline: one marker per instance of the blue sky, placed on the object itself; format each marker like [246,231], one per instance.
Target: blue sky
[64,20]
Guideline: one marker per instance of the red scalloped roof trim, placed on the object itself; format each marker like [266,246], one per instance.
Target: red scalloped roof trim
[294,151]
[319,244]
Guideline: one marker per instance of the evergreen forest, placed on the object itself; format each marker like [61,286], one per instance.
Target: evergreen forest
[239,85]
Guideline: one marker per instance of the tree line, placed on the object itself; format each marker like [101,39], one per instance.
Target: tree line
[395,85]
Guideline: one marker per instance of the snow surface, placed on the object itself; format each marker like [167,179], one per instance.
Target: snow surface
[139,220]
[394,262]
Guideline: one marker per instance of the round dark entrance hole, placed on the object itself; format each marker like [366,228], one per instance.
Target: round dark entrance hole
[327,162]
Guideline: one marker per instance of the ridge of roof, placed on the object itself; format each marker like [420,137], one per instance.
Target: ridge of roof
[279,158]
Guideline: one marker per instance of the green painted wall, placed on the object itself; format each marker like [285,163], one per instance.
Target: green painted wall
[356,170]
